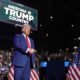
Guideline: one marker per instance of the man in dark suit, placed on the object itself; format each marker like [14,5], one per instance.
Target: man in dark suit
[24,54]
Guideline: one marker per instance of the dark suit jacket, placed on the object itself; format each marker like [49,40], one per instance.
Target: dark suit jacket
[20,57]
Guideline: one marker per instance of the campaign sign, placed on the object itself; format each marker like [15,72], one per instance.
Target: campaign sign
[18,14]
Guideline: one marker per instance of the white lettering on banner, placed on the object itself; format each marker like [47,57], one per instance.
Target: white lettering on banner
[16,8]
[19,20]
[18,14]
[7,9]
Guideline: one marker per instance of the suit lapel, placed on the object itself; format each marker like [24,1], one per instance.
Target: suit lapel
[24,40]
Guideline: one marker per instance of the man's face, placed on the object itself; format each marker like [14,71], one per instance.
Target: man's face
[26,29]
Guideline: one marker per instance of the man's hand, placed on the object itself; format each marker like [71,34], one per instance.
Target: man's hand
[31,51]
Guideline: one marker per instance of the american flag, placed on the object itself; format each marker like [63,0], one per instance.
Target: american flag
[11,73]
[33,76]
[74,69]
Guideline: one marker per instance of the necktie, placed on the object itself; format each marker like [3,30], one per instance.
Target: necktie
[28,42]
[29,46]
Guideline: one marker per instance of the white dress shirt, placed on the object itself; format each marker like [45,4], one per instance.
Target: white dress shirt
[29,42]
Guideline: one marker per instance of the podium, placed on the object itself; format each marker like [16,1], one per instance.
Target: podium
[55,70]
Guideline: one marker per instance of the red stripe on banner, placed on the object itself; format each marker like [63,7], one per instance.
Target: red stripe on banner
[11,73]
[35,74]
[71,74]
[79,68]
[75,71]
[32,77]
[9,77]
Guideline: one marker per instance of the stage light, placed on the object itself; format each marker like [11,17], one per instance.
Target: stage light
[75,47]
[51,17]
[72,25]
[40,25]
[47,35]
[60,50]
[78,38]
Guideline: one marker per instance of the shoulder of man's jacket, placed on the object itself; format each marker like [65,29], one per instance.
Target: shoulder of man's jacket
[17,35]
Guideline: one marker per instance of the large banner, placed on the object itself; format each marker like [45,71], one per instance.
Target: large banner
[17,14]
